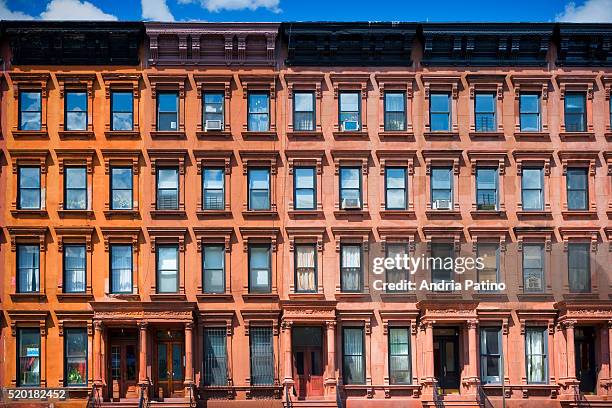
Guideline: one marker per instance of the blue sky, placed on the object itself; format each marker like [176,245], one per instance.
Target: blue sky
[300,10]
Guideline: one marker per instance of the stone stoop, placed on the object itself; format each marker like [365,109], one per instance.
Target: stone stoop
[312,404]
[170,403]
[124,403]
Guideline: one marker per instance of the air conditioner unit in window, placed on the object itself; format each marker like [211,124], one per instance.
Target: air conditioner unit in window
[213,125]
[350,126]
[441,205]
[351,203]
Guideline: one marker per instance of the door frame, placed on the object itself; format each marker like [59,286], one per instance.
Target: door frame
[174,389]
[443,339]
[592,355]
[309,391]
[127,389]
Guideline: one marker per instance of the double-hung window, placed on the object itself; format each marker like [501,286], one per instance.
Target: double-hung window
[350,188]
[262,356]
[529,105]
[439,112]
[441,188]
[121,188]
[441,268]
[29,192]
[168,188]
[215,356]
[349,111]
[304,111]
[579,267]
[122,110]
[167,268]
[395,111]
[304,180]
[396,184]
[213,112]
[76,110]
[488,253]
[351,272]
[484,112]
[353,355]
[305,268]
[75,266]
[213,188]
[258,112]
[399,356]
[575,112]
[490,355]
[121,268]
[75,360]
[30,110]
[533,267]
[167,111]
[75,188]
[213,268]
[577,188]
[532,189]
[28,359]
[536,349]
[259,189]
[486,188]
[260,271]
[396,275]
[28,268]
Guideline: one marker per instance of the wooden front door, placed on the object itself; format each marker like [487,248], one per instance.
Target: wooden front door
[170,364]
[586,366]
[446,358]
[308,362]
[123,368]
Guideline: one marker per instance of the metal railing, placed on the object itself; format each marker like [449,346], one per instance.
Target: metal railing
[288,403]
[94,400]
[339,401]
[482,398]
[437,396]
[192,395]
[579,398]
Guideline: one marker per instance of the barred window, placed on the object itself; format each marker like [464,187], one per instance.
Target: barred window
[215,356]
[262,356]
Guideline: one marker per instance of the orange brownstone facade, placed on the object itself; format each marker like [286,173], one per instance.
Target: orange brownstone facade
[167,249]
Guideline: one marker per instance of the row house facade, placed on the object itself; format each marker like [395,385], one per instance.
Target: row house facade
[191,212]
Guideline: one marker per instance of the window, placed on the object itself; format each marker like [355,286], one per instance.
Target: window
[305,268]
[393,251]
[349,111]
[303,111]
[75,352]
[121,268]
[213,188]
[122,110]
[441,270]
[260,273]
[579,267]
[399,356]
[350,188]
[395,188]
[214,268]
[28,268]
[532,183]
[259,112]
[121,188]
[304,184]
[529,105]
[395,111]
[489,254]
[353,356]
[439,112]
[74,268]
[167,268]
[535,352]
[575,112]
[76,110]
[29,193]
[167,188]
[441,188]
[30,110]
[28,369]
[486,188]
[259,189]
[490,355]
[350,268]
[213,112]
[262,356]
[215,357]
[75,184]
[577,189]
[533,267]
[484,112]
[167,111]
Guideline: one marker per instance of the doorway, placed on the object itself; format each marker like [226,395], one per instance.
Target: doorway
[307,346]
[446,359]
[586,367]
[170,364]
[123,363]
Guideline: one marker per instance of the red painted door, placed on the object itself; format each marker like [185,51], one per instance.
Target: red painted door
[308,369]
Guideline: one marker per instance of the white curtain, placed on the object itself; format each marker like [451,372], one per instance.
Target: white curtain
[351,267]
[535,355]
[305,268]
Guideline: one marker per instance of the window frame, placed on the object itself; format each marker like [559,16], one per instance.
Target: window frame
[451,189]
[269,288]
[544,332]
[358,111]
[112,189]
[20,110]
[496,190]
[498,251]
[158,111]
[541,189]
[35,268]
[404,128]
[488,379]
[111,282]
[361,287]
[408,356]
[494,113]
[405,188]
[67,188]
[159,271]
[41,365]
[542,275]
[65,269]
[448,113]
[67,112]
[249,190]
[67,333]
[204,104]
[313,189]
[296,267]
[362,355]
[312,113]
[222,270]
[39,189]
[204,170]
[267,113]
[538,114]
[583,113]
[587,267]
[585,190]
[177,189]
[341,189]
[113,111]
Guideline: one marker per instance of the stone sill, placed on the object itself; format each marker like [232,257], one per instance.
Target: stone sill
[41,134]
[305,213]
[532,135]
[315,134]
[40,213]
[30,297]
[441,135]
[252,214]
[443,213]
[168,213]
[203,134]
[397,213]
[123,296]
[83,297]
[271,135]
[350,134]
[165,134]
[306,296]
[124,134]
[396,134]
[213,297]
[490,135]
[577,135]
[75,213]
[122,213]
[76,134]
[260,297]
[534,214]
[487,213]
[213,213]
[579,214]
[168,297]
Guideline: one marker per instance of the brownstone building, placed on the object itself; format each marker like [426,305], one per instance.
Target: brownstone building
[191,212]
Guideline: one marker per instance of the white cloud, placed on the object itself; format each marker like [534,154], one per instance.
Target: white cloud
[6,14]
[74,10]
[592,11]
[156,10]
[218,5]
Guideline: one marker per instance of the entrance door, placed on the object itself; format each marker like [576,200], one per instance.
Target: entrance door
[446,358]
[123,365]
[586,372]
[307,361]
[170,364]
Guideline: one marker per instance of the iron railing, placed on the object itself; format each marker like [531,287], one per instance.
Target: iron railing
[94,400]
[579,398]
[339,401]
[437,396]
[192,395]
[288,403]
[482,398]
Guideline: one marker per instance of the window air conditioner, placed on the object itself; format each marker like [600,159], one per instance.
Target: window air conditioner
[213,125]
[350,203]
[350,126]
[441,205]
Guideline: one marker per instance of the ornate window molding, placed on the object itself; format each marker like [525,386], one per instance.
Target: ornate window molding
[312,158]
[396,82]
[490,235]
[542,235]
[126,158]
[544,318]
[123,235]
[443,158]
[75,157]
[488,158]
[535,158]
[449,234]
[354,158]
[588,235]
[584,159]
[489,83]
[220,319]
[37,82]
[167,235]
[261,235]
[306,235]
[351,82]
[214,83]
[607,83]
[260,318]
[535,84]
[127,82]
[218,159]
[215,235]
[260,158]
[31,319]
[304,82]
[401,319]
[436,83]
[176,83]
[168,158]
[77,320]
[33,236]
[393,235]
[608,157]
[397,158]
[77,82]
[25,157]
[353,235]
[75,235]
[580,83]
[363,319]
[262,83]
